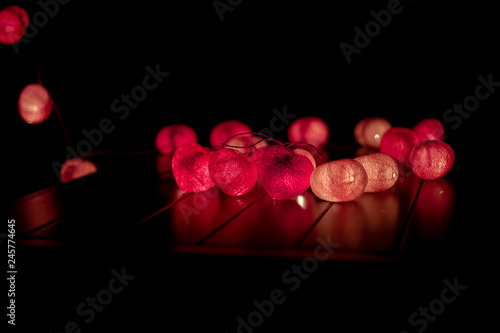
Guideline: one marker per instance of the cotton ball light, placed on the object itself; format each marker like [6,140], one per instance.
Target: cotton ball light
[369,131]
[284,174]
[310,129]
[246,144]
[232,172]
[34,104]
[171,137]
[339,181]
[222,131]
[398,142]
[429,129]
[190,166]
[13,23]
[305,153]
[432,159]
[75,168]
[382,171]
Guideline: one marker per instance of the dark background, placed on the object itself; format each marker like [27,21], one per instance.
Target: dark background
[265,55]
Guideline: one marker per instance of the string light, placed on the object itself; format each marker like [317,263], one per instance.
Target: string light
[190,167]
[431,160]
[382,171]
[311,129]
[339,181]
[369,131]
[34,104]
[13,23]
[222,131]
[232,172]
[398,142]
[171,137]
[284,174]
[429,129]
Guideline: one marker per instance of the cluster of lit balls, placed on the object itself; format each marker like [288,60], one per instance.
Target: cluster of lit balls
[239,157]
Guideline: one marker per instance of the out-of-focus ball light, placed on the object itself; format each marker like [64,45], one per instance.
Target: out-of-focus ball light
[311,129]
[382,171]
[222,131]
[284,174]
[75,168]
[190,166]
[232,172]
[398,142]
[432,159]
[171,137]
[339,181]
[369,131]
[13,24]
[247,144]
[429,129]
[34,104]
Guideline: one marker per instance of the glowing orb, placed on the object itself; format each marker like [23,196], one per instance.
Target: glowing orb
[171,137]
[284,174]
[369,131]
[222,131]
[429,129]
[382,171]
[307,154]
[432,159]
[190,166]
[232,172]
[339,181]
[13,23]
[311,129]
[398,142]
[75,168]
[34,104]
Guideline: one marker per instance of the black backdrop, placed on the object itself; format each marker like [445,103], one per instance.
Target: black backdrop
[263,55]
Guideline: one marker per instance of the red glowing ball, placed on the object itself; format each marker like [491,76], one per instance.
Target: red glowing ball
[171,137]
[369,131]
[382,171]
[339,181]
[311,129]
[398,142]
[190,166]
[34,104]
[222,131]
[432,159]
[429,129]
[284,174]
[75,168]
[13,23]
[232,172]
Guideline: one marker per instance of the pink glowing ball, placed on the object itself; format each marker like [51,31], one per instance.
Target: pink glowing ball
[398,142]
[13,23]
[222,131]
[75,168]
[432,159]
[190,166]
[284,174]
[305,153]
[311,129]
[339,181]
[429,129]
[369,131]
[171,137]
[34,104]
[232,172]
[382,171]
